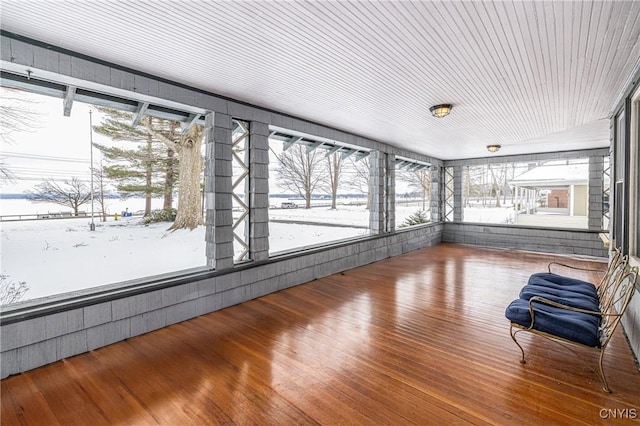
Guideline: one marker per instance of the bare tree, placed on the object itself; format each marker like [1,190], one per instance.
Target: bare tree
[11,292]
[476,183]
[334,169]
[72,194]
[16,116]
[360,177]
[498,179]
[301,171]
[420,180]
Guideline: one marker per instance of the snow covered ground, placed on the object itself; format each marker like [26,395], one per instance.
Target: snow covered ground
[63,255]
[489,215]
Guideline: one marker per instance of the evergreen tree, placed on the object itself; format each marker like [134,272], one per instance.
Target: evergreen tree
[147,167]
[416,218]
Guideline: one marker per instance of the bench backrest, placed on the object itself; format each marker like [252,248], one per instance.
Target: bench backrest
[615,299]
[618,265]
[617,260]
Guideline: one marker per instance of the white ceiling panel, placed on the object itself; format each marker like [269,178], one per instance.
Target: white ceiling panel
[531,76]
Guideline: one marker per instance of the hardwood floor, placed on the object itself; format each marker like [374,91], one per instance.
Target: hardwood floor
[416,339]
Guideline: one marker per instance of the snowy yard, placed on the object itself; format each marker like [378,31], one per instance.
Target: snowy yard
[63,255]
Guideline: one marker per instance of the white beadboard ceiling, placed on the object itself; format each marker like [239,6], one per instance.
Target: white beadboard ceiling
[531,76]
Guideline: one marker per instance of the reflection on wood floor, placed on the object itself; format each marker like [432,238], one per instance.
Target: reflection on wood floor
[416,339]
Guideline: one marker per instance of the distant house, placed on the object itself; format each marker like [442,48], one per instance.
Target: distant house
[554,188]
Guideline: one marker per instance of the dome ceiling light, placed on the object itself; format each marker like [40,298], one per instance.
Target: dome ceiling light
[440,111]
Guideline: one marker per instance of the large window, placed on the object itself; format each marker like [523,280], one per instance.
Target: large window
[318,191]
[413,193]
[538,193]
[70,223]
[99,190]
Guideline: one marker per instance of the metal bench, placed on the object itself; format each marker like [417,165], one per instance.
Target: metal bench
[568,310]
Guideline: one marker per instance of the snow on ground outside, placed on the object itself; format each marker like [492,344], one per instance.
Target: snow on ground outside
[58,256]
[63,255]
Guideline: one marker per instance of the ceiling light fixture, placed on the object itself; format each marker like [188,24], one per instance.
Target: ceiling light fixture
[493,148]
[440,111]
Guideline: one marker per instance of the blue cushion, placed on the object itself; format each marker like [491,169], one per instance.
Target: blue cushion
[566,297]
[574,326]
[558,279]
[584,288]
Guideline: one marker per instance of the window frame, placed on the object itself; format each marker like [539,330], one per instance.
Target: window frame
[634,177]
[575,157]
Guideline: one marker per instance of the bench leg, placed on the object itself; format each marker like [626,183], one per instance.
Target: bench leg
[604,379]
[513,336]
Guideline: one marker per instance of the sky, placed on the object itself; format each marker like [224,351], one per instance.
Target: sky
[58,148]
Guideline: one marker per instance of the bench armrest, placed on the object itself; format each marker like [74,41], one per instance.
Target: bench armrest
[574,267]
[561,306]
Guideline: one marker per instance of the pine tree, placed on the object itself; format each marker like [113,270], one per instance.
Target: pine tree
[147,166]
[416,218]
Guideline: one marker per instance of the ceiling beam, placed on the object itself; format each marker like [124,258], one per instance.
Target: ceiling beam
[68,100]
[191,121]
[58,90]
[361,155]
[400,164]
[140,111]
[314,146]
[291,142]
[333,150]
[348,154]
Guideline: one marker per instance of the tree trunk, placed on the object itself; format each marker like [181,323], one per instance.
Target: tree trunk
[307,200]
[169,180]
[307,190]
[170,177]
[335,167]
[190,168]
[149,172]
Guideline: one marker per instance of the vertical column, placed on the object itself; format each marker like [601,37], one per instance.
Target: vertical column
[209,191]
[596,191]
[437,192]
[447,194]
[222,234]
[376,191]
[259,191]
[458,211]
[390,190]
